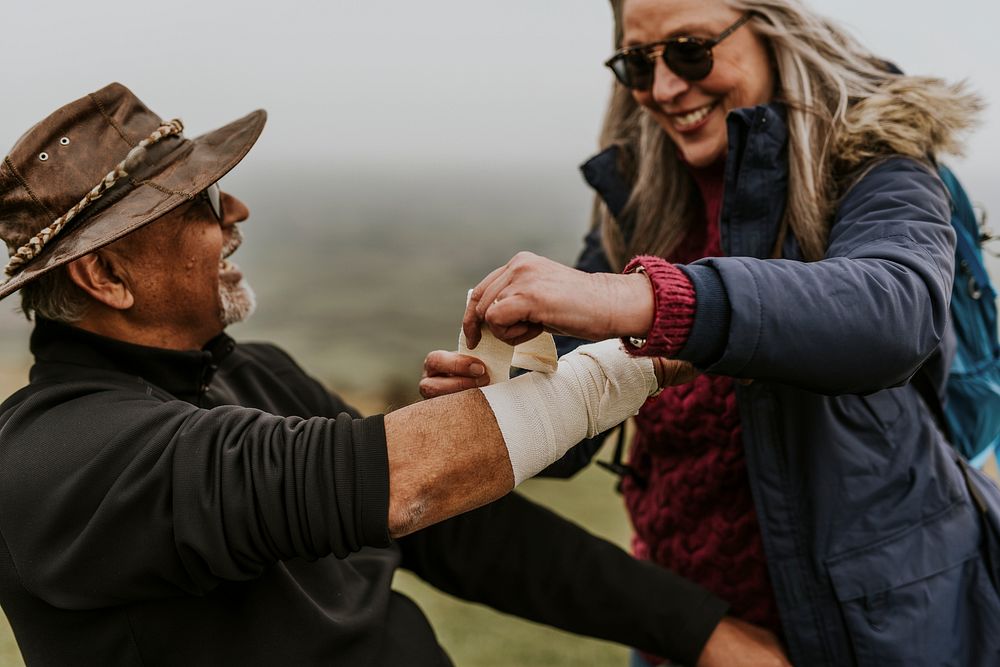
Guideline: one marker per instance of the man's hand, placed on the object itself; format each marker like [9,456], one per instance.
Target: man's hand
[738,644]
[451,372]
[670,372]
[531,294]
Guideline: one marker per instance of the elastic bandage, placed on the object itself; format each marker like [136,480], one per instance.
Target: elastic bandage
[542,415]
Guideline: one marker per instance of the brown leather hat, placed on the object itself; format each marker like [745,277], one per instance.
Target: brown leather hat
[100,168]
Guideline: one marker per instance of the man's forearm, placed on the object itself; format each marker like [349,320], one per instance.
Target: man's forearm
[446,456]
[451,454]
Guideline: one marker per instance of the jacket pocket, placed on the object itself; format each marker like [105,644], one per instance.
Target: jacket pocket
[921,597]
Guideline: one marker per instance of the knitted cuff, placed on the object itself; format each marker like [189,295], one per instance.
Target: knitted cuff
[673,308]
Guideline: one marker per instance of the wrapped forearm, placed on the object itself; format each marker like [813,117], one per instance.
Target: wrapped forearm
[543,415]
[453,453]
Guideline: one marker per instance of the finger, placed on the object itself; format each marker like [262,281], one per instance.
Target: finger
[493,292]
[471,325]
[510,310]
[471,321]
[442,386]
[443,362]
[672,372]
[684,372]
[658,370]
[506,333]
[519,333]
[532,333]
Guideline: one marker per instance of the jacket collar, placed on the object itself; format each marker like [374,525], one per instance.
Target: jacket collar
[756,177]
[756,188]
[603,173]
[184,374]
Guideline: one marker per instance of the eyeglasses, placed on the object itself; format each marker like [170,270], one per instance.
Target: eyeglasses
[213,195]
[688,57]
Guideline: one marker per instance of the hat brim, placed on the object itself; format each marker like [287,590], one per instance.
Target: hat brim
[201,162]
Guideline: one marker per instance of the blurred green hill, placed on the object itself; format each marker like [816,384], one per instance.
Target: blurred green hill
[364,275]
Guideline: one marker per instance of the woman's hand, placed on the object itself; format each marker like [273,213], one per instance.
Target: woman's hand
[451,372]
[735,643]
[530,294]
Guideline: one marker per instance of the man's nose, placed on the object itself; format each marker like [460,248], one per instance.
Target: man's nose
[667,86]
[233,210]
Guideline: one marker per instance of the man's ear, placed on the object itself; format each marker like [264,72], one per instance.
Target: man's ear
[102,277]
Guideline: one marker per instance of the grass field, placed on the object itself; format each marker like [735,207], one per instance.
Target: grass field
[479,637]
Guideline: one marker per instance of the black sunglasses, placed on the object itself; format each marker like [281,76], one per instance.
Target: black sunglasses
[213,195]
[688,57]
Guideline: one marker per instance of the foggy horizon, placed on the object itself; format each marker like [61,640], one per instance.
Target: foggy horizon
[398,94]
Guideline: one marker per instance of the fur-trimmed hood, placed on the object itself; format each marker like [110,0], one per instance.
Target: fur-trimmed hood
[919,117]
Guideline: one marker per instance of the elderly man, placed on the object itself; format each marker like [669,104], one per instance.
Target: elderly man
[171,497]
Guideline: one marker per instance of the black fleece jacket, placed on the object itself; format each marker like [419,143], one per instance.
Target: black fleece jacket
[220,507]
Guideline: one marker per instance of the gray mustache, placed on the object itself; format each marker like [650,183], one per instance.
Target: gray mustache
[233,241]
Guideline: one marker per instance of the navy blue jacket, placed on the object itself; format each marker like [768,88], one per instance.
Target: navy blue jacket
[872,544]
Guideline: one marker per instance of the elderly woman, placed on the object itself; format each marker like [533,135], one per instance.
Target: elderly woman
[768,187]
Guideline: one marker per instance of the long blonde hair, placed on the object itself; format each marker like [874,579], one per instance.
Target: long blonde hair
[844,109]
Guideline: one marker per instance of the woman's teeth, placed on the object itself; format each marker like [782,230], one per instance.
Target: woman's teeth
[693,118]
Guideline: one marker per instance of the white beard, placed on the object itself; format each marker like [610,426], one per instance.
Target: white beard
[237,302]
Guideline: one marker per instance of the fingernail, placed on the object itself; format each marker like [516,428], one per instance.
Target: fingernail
[477,369]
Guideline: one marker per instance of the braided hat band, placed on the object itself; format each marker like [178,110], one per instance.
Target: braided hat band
[30,250]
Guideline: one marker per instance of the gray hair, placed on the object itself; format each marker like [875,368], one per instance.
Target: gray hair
[844,109]
[54,296]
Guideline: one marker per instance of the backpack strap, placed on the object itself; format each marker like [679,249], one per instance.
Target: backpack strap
[979,283]
[966,247]
[617,466]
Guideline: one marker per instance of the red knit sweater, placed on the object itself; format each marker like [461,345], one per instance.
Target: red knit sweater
[693,513]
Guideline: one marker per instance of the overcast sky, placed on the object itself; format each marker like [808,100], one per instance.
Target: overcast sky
[408,82]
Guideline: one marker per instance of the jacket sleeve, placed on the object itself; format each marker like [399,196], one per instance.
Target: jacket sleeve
[308,389]
[521,559]
[140,498]
[862,319]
